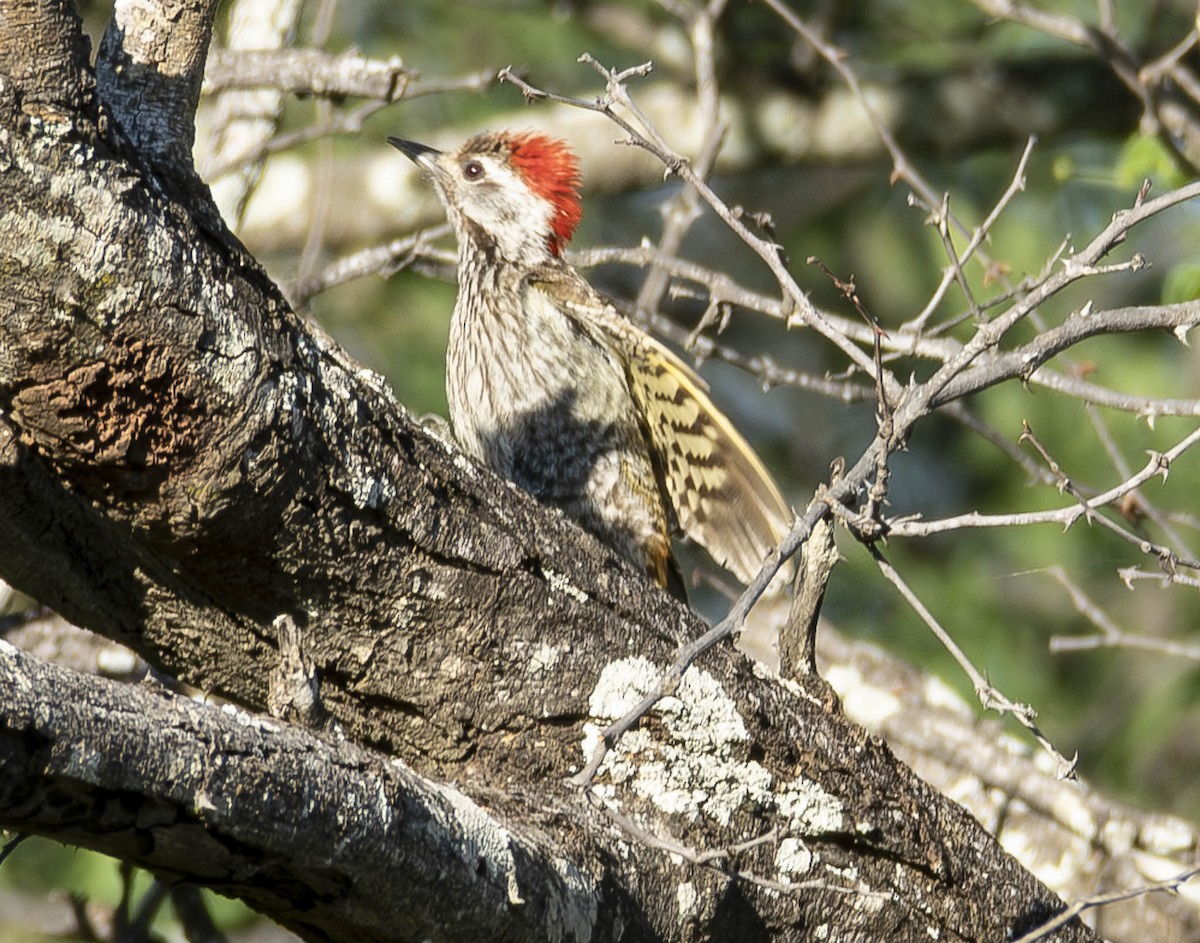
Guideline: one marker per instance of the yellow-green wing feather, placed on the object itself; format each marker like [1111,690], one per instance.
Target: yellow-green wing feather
[722,495]
[724,498]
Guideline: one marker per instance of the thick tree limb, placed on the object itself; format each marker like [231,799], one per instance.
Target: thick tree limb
[1087,840]
[252,807]
[49,62]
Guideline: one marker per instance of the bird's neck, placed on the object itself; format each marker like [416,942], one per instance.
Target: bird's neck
[478,247]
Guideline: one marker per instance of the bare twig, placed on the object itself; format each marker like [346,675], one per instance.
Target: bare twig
[902,167]
[1110,634]
[991,366]
[1156,467]
[1147,85]
[1169,886]
[953,272]
[1129,575]
[383,260]
[988,695]
[726,628]
[684,209]
[1136,505]
[350,122]
[645,136]
[720,859]
[954,377]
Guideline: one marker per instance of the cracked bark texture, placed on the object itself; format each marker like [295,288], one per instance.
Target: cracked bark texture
[182,461]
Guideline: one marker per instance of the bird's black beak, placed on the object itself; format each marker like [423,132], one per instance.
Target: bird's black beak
[412,150]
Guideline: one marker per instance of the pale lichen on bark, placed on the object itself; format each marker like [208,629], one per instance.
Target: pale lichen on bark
[794,857]
[700,767]
[561,583]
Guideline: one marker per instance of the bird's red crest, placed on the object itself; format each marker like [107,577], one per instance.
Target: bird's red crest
[551,169]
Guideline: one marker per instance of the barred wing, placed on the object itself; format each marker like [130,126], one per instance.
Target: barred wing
[724,498]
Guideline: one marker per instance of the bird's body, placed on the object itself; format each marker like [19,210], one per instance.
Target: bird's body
[575,445]
[551,387]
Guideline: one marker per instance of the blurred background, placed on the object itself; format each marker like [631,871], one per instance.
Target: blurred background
[961,91]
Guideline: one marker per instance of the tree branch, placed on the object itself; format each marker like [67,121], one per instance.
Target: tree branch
[149,70]
[307,72]
[45,54]
[160,781]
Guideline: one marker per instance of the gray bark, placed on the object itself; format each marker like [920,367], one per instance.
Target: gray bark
[214,796]
[182,461]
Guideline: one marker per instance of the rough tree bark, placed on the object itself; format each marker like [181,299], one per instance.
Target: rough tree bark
[182,461]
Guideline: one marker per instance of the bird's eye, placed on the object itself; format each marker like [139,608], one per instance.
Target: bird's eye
[473,170]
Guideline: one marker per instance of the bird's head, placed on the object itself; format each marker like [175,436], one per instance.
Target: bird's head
[511,194]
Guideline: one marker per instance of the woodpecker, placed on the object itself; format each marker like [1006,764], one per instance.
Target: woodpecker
[554,389]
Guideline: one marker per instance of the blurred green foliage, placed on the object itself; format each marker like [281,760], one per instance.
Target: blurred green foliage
[56,873]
